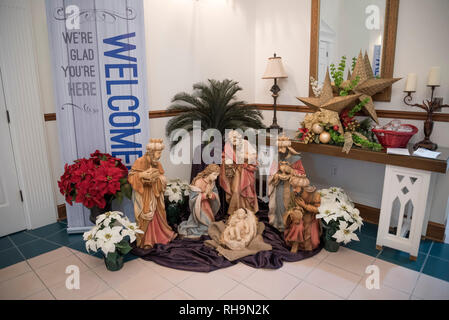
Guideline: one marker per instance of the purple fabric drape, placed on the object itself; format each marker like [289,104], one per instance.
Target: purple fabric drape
[193,255]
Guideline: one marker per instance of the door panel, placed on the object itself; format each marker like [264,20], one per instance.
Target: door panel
[12,215]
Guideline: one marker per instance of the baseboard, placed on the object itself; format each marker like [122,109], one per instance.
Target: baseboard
[369,214]
[62,214]
[435,231]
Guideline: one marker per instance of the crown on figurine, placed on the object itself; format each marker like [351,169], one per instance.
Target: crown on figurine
[299,181]
[284,141]
[155,145]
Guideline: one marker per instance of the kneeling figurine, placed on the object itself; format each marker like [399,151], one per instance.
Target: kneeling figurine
[302,229]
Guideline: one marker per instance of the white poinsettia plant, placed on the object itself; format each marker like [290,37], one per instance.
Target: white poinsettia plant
[339,216]
[176,190]
[112,234]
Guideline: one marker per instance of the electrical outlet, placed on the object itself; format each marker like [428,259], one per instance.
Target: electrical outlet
[333,171]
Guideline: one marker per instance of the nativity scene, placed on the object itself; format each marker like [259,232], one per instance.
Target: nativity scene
[253,232]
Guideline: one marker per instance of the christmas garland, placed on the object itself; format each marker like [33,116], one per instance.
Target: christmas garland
[340,140]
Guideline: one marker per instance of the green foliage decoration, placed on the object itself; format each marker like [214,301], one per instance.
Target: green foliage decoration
[214,104]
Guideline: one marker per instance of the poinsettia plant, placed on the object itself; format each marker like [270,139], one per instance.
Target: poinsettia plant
[339,216]
[95,181]
[112,231]
[112,234]
[176,190]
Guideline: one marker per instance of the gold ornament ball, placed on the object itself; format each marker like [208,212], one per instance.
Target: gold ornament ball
[325,137]
[317,128]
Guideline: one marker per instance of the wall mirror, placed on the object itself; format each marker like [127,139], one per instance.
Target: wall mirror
[343,27]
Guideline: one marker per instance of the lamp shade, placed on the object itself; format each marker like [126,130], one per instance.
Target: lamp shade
[274,69]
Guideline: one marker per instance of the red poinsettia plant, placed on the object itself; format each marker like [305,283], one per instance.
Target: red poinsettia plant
[302,133]
[95,181]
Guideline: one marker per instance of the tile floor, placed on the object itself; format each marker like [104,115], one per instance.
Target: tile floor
[33,266]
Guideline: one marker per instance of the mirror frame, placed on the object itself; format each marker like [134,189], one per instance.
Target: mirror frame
[388,50]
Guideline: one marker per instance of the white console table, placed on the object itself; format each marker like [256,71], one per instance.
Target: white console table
[407,192]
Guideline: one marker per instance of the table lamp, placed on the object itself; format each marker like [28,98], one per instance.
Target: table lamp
[275,70]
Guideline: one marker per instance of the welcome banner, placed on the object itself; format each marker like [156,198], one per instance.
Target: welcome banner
[98,56]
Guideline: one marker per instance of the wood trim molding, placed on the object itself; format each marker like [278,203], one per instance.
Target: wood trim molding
[388,50]
[62,213]
[50,116]
[389,46]
[284,107]
[420,163]
[314,39]
[435,231]
[369,214]
[162,114]
[391,114]
[151,114]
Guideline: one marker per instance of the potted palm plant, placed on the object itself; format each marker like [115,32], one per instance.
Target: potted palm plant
[214,104]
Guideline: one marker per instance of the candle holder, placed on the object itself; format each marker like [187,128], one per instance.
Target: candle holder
[430,106]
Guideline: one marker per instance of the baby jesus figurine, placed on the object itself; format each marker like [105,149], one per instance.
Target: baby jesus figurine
[240,230]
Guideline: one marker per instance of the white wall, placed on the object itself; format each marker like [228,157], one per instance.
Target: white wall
[187,42]
[190,41]
[421,43]
[282,27]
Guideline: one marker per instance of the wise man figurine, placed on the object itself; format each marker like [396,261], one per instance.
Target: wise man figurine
[303,233]
[148,182]
[287,154]
[237,176]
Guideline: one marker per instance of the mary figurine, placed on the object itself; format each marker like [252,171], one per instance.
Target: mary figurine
[204,203]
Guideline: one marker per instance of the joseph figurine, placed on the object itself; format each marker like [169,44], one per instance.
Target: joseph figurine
[237,174]
[148,182]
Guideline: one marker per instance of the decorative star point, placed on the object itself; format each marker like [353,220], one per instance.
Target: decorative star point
[327,100]
[369,85]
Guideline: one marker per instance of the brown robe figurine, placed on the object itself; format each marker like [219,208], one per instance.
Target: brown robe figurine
[237,176]
[148,182]
[294,227]
[304,235]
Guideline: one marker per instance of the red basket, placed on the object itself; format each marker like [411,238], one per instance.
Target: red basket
[394,139]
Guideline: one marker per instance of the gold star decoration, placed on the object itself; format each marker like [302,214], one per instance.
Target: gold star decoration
[368,85]
[327,101]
